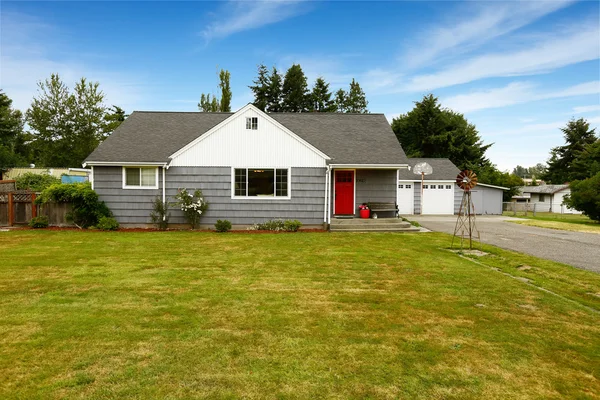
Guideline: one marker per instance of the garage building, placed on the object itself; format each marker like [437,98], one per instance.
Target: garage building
[441,195]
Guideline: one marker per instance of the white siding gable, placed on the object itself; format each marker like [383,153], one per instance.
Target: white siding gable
[231,144]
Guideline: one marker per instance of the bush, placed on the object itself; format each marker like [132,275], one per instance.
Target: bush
[39,222]
[107,224]
[35,182]
[585,197]
[292,226]
[192,205]
[159,215]
[278,225]
[87,208]
[223,226]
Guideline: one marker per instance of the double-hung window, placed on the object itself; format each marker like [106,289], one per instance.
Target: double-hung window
[252,123]
[140,177]
[261,182]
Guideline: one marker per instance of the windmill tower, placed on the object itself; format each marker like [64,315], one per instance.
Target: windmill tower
[465,223]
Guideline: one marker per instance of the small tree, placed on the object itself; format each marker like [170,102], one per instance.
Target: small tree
[160,213]
[192,205]
[585,197]
[340,101]
[356,101]
[320,97]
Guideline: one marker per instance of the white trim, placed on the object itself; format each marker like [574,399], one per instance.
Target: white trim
[269,198]
[164,198]
[233,117]
[329,197]
[140,187]
[91,177]
[492,186]
[128,163]
[369,166]
[354,199]
[326,202]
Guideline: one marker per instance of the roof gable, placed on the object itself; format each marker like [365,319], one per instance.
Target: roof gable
[230,143]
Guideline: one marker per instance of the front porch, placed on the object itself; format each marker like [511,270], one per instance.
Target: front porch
[350,224]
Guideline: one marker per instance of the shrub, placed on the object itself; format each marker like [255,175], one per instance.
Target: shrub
[159,215]
[39,222]
[192,205]
[585,197]
[87,208]
[292,226]
[107,224]
[278,225]
[223,226]
[35,182]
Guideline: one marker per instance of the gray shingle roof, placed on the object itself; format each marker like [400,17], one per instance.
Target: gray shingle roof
[346,138]
[443,170]
[546,189]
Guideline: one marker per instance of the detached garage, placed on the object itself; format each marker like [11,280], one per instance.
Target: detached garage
[441,195]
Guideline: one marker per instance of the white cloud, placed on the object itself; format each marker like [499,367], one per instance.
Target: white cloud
[515,93]
[239,16]
[29,49]
[478,23]
[586,109]
[554,52]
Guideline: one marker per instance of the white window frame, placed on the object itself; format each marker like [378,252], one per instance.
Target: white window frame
[268,198]
[125,186]
[250,122]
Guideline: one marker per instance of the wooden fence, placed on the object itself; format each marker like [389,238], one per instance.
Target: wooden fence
[18,208]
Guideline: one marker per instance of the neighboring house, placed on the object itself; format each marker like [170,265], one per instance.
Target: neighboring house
[14,173]
[546,198]
[441,195]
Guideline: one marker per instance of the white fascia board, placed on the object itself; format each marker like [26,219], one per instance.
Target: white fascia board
[235,116]
[121,163]
[492,186]
[369,166]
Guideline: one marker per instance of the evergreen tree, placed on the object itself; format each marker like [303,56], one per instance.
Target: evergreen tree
[430,131]
[115,116]
[341,99]
[295,90]
[356,101]
[578,136]
[12,138]
[208,103]
[321,97]
[226,95]
[261,88]
[275,92]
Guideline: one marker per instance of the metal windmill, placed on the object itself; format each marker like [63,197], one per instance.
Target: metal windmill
[422,169]
[465,223]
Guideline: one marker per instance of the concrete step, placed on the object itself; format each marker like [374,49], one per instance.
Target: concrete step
[400,225]
[374,229]
[366,221]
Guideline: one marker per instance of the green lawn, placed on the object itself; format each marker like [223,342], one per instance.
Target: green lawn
[567,222]
[169,315]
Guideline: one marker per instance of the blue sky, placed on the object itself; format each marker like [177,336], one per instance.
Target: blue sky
[517,70]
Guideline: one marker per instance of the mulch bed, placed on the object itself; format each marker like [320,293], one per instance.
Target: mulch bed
[74,228]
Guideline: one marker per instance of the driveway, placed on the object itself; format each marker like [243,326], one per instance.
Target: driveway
[581,250]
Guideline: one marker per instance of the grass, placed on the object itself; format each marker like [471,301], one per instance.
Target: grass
[173,315]
[566,222]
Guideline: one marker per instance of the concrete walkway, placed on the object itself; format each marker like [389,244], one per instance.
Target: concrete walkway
[579,249]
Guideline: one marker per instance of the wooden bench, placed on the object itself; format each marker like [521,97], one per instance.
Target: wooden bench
[379,207]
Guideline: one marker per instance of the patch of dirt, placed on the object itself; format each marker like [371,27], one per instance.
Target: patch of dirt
[480,305]
[528,307]
[524,268]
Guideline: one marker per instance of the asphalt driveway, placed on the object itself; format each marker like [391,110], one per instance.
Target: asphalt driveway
[581,250]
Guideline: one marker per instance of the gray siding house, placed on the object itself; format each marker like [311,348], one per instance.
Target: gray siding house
[251,166]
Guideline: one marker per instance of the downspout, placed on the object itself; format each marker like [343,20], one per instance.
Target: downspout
[326,199]
[164,198]
[329,195]
[92,177]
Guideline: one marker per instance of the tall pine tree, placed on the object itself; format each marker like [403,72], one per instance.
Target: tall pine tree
[356,101]
[578,136]
[261,88]
[12,138]
[295,90]
[275,92]
[320,97]
[341,99]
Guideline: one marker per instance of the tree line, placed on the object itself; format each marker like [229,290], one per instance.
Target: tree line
[65,125]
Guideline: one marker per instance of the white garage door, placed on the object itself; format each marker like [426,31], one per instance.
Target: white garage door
[438,198]
[406,198]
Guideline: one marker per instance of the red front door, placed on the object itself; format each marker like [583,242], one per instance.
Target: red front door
[344,192]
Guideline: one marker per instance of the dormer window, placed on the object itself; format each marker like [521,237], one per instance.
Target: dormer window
[252,123]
